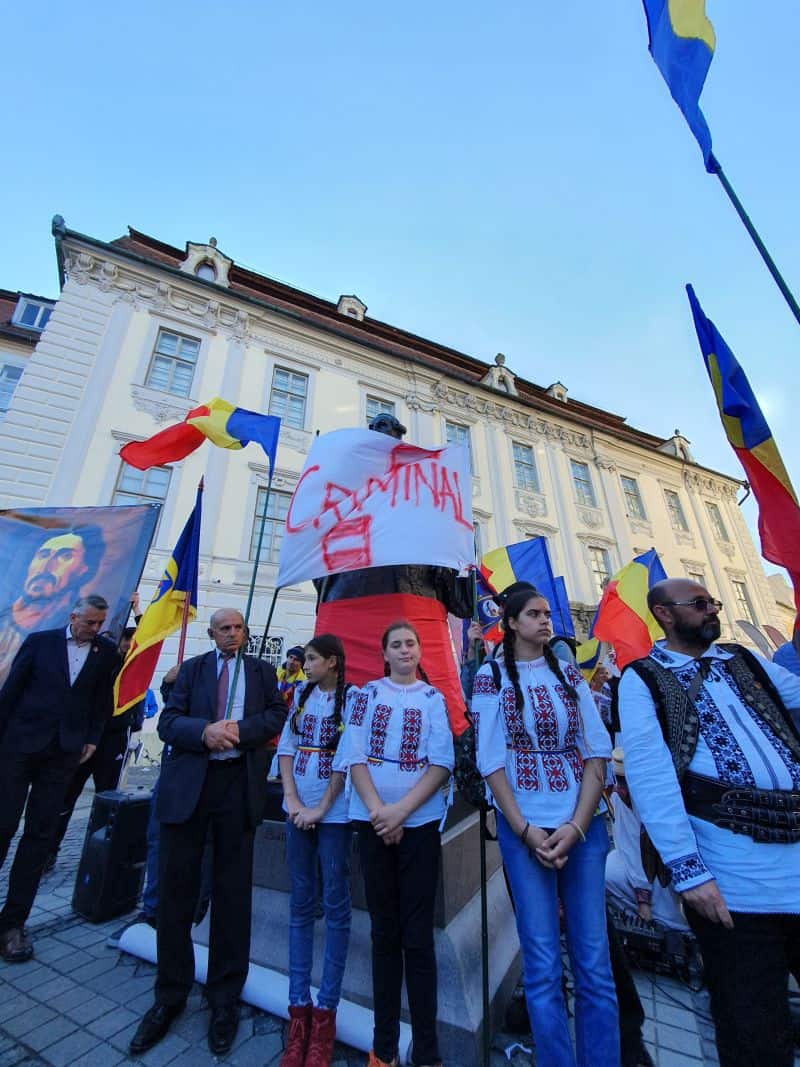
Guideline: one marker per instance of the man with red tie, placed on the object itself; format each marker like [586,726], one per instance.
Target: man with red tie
[216,722]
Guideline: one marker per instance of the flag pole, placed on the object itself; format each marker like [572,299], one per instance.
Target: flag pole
[263,645]
[238,665]
[187,600]
[756,238]
[482,837]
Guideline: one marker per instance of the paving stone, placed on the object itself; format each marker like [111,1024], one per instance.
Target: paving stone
[64,1001]
[256,1051]
[15,1055]
[101,1055]
[52,988]
[130,988]
[670,1037]
[19,1025]
[165,1051]
[64,1053]
[28,976]
[683,1018]
[111,1023]
[46,1035]
[92,968]
[92,1008]
[197,1056]
[76,959]
[666,1058]
[15,1005]
[52,950]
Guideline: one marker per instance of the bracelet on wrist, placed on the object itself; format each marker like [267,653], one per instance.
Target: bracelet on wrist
[574,825]
[524,835]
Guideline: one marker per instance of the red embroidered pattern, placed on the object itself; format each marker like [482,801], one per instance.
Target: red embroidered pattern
[556,775]
[573,758]
[327,739]
[359,709]
[377,731]
[306,738]
[410,738]
[525,767]
[573,722]
[484,683]
[544,714]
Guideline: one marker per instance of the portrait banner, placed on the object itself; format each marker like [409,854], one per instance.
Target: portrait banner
[368,500]
[51,556]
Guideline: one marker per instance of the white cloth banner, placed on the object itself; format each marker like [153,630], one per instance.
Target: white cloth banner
[368,500]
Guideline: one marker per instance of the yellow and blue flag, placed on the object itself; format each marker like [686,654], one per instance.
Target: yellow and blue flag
[217,421]
[529,561]
[752,441]
[163,616]
[682,43]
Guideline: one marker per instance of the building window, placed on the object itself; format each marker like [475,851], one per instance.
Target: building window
[32,313]
[287,399]
[10,375]
[173,363]
[675,509]
[525,474]
[601,568]
[744,606]
[142,487]
[633,498]
[277,509]
[476,526]
[456,434]
[378,406]
[582,481]
[694,574]
[207,272]
[715,515]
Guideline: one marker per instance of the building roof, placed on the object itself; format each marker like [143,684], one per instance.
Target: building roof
[285,299]
[8,303]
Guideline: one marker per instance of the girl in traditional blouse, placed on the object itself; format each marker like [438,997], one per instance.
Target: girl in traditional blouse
[317,837]
[399,750]
[542,749]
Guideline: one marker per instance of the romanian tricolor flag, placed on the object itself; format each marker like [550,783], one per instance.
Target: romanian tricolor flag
[587,655]
[752,441]
[219,422]
[529,561]
[623,618]
[163,615]
[682,43]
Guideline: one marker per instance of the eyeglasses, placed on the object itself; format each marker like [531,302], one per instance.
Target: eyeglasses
[699,603]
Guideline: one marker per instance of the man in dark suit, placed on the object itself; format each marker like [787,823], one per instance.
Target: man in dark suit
[215,776]
[53,707]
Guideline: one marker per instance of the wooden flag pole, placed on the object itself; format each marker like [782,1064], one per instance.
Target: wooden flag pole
[755,236]
[486,1030]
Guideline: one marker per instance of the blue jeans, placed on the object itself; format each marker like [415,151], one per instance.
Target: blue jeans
[328,846]
[580,885]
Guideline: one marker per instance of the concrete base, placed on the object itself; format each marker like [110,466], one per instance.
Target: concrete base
[457,933]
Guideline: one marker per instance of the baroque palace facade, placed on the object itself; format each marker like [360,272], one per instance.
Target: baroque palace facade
[142,332]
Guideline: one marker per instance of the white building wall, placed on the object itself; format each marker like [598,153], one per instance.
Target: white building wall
[83,395]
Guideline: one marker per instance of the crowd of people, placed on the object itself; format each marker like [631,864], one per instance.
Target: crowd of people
[690,762]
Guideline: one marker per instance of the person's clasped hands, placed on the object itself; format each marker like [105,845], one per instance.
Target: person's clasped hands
[221,736]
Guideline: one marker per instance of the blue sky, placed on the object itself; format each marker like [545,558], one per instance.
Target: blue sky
[514,180]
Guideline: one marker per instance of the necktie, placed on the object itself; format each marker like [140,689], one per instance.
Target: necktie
[222,688]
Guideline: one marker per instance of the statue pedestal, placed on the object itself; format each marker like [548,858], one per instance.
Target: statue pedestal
[457,930]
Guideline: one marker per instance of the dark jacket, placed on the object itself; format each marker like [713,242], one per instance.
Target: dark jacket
[191,706]
[37,703]
[436,583]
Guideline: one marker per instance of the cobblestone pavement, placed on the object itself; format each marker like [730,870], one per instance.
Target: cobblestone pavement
[79,1001]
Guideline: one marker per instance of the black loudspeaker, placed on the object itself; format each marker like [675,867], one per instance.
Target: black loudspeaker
[114,855]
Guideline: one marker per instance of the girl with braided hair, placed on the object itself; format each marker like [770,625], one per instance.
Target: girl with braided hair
[399,750]
[542,749]
[317,838]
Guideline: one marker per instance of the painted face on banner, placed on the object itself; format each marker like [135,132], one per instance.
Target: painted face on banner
[58,564]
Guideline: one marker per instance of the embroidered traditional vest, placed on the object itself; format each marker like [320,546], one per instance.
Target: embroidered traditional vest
[680,723]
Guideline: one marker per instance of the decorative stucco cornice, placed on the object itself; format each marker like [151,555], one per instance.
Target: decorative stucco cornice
[492,410]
